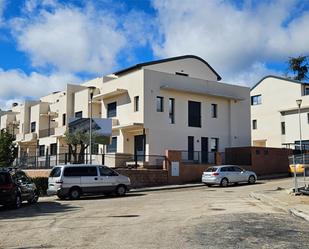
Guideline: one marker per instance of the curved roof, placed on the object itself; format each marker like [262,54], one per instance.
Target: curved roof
[280,78]
[140,65]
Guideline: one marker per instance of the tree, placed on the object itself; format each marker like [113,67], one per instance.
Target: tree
[8,149]
[299,67]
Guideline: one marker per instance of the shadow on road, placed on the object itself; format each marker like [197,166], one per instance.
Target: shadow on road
[233,185]
[103,197]
[34,210]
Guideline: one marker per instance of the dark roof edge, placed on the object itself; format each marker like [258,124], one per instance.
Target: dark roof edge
[279,78]
[140,65]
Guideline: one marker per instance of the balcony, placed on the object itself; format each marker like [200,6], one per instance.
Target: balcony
[29,137]
[46,132]
[19,137]
[59,131]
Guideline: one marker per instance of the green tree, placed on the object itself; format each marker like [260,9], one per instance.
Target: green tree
[299,67]
[8,149]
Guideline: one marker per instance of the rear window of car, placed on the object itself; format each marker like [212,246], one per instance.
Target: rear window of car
[55,172]
[212,169]
[5,178]
[80,171]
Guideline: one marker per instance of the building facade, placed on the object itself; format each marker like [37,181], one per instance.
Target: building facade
[275,113]
[176,103]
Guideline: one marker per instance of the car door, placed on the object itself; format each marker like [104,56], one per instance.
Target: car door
[232,175]
[108,179]
[89,179]
[23,183]
[240,173]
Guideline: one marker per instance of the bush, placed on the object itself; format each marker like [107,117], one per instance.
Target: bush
[41,184]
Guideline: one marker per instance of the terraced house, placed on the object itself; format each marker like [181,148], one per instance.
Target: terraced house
[176,103]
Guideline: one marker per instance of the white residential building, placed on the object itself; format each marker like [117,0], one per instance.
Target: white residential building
[274,112]
[175,103]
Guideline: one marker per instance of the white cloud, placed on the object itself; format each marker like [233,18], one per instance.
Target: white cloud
[235,41]
[70,39]
[2,6]
[17,85]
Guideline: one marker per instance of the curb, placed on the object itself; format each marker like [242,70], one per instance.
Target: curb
[274,203]
[152,189]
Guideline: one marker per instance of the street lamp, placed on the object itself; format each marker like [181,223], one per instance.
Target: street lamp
[91,91]
[299,101]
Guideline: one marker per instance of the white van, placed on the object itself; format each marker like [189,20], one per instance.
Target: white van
[77,179]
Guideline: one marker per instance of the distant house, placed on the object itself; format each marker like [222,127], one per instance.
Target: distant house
[274,112]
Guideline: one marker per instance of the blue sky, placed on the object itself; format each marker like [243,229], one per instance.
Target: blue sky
[45,44]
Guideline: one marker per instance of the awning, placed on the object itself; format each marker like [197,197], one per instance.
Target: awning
[114,93]
[130,126]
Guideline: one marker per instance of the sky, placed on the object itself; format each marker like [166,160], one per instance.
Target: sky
[46,44]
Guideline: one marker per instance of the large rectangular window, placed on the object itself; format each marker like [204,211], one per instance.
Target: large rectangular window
[171,107]
[53,149]
[256,100]
[136,103]
[254,124]
[80,171]
[214,144]
[282,128]
[112,110]
[113,146]
[42,150]
[194,114]
[79,114]
[214,109]
[160,104]
[33,126]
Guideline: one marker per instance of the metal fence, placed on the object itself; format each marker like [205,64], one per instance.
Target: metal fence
[299,168]
[199,157]
[118,160]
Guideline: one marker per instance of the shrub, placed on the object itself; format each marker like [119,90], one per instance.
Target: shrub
[41,184]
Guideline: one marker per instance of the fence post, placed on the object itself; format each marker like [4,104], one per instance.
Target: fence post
[103,159]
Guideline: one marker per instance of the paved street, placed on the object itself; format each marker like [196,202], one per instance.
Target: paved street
[198,217]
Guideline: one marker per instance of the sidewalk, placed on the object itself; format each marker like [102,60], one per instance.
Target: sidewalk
[280,198]
[167,187]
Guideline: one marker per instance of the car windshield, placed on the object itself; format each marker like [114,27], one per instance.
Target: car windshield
[212,169]
[5,178]
[55,172]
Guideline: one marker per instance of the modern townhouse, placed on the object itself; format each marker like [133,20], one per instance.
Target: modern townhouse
[176,103]
[275,113]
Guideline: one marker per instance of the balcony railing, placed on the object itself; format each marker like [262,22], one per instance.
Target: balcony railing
[30,136]
[46,132]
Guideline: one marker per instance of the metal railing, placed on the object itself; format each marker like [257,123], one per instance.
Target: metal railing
[299,168]
[117,160]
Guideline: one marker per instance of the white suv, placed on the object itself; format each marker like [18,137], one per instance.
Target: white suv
[74,180]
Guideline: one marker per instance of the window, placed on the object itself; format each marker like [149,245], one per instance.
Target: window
[41,150]
[160,101]
[113,146]
[104,171]
[112,110]
[80,171]
[33,126]
[55,172]
[136,103]
[306,90]
[95,149]
[308,118]
[190,147]
[171,110]
[213,110]
[283,128]
[79,114]
[214,143]
[237,169]
[64,117]
[256,100]
[194,114]
[182,74]
[53,149]
[254,124]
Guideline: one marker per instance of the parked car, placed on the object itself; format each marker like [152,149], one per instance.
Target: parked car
[16,187]
[75,180]
[226,174]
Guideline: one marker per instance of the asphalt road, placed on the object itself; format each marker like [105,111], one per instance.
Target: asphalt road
[185,218]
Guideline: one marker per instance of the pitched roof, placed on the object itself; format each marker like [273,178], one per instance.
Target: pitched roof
[140,65]
[280,78]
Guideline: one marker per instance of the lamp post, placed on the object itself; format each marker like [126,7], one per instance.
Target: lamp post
[91,91]
[299,101]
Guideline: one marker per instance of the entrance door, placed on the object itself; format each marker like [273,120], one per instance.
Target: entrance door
[139,147]
[190,148]
[204,149]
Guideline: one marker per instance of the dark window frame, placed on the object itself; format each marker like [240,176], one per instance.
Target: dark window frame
[64,119]
[214,110]
[53,149]
[78,114]
[194,117]
[283,128]
[254,124]
[216,147]
[171,110]
[256,99]
[33,126]
[136,103]
[160,104]
[41,150]
[182,74]
[111,110]
[112,147]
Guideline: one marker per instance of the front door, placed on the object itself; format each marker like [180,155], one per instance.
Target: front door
[204,149]
[139,147]
[190,148]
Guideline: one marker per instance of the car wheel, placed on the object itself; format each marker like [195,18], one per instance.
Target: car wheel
[121,190]
[224,182]
[75,193]
[251,179]
[34,199]
[208,185]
